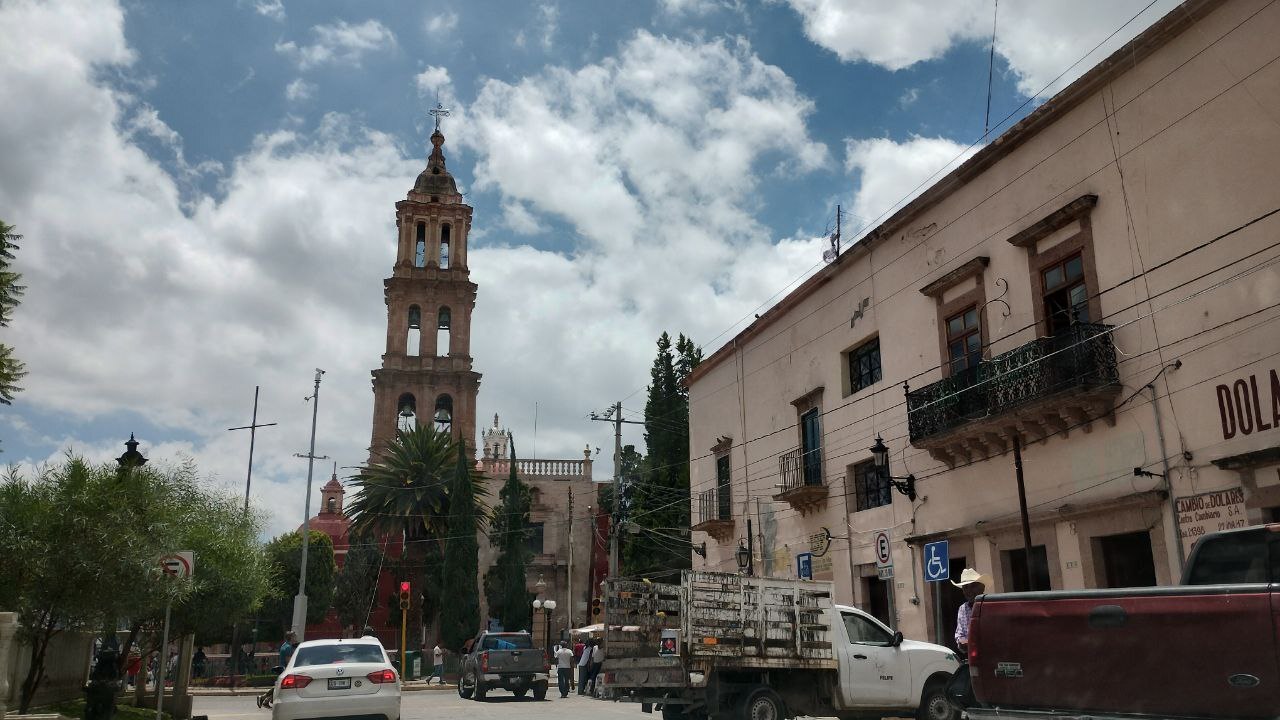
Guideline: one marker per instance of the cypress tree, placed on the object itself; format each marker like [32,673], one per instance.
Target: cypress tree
[505,588]
[460,614]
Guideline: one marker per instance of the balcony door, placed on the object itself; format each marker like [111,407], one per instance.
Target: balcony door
[1066,296]
[811,447]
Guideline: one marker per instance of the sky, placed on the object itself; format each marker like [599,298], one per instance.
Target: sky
[206,193]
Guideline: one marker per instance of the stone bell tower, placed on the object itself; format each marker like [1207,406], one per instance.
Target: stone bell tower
[426,373]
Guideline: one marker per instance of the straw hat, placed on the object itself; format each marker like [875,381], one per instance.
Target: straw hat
[970,576]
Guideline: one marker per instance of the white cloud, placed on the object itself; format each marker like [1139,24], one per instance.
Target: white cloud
[299,90]
[690,7]
[273,9]
[908,97]
[441,24]
[140,305]
[339,43]
[549,16]
[891,174]
[433,80]
[517,218]
[1038,39]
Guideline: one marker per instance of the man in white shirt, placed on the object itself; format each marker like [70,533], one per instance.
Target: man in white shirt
[584,669]
[438,657]
[564,668]
[597,660]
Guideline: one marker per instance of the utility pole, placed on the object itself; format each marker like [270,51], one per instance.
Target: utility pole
[1022,509]
[614,415]
[300,600]
[570,604]
[252,427]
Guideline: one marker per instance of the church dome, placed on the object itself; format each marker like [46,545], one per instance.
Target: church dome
[435,179]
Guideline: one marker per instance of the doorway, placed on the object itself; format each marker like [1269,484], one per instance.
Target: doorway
[875,598]
[1018,578]
[952,599]
[1127,560]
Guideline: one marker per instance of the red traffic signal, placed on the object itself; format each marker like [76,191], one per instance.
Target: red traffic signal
[404,594]
[404,586]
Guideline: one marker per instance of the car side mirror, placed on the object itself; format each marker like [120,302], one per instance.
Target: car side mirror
[897,638]
[277,669]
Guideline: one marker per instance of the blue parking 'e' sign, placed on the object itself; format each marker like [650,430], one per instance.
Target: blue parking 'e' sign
[804,566]
[937,562]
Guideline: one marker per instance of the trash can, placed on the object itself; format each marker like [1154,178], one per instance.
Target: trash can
[413,665]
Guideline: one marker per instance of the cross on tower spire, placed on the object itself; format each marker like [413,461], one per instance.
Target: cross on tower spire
[438,112]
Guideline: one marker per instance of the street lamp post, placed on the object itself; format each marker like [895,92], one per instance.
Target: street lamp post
[547,607]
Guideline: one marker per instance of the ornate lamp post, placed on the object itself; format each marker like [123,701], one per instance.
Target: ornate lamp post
[743,556]
[880,455]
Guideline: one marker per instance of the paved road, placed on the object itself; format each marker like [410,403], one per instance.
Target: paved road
[446,705]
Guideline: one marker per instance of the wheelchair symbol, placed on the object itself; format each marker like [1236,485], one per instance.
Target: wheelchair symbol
[936,567]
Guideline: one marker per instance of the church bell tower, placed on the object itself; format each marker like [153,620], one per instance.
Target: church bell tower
[426,374]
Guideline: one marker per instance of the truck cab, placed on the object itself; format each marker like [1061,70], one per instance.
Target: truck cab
[878,668]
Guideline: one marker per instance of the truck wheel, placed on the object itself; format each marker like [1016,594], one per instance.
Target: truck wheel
[672,712]
[762,704]
[464,692]
[521,692]
[934,704]
[481,690]
[540,692]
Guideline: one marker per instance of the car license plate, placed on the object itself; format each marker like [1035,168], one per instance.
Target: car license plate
[513,680]
[339,683]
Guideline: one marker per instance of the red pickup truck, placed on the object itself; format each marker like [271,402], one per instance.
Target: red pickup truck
[1209,648]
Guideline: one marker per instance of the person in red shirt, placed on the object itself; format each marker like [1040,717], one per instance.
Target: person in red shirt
[577,657]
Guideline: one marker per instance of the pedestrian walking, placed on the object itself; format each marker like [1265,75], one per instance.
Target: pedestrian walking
[577,657]
[437,654]
[133,666]
[597,660]
[287,648]
[564,668]
[584,669]
[198,662]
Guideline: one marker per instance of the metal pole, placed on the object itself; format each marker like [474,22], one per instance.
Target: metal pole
[300,600]
[1175,525]
[164,656]
[617,494]
[1022,508]
[937,611]
[569,584]
[404,639]
[253,431]
[751,549]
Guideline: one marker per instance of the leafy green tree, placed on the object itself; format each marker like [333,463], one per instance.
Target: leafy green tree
[356,586]
[11,369]
[405,493]
[82,543]
[460,617]
[284,553]
[657,499]
[506,589]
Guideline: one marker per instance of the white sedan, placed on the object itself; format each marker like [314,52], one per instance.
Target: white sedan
[350,678]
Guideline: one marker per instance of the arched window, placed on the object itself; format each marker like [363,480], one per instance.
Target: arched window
[444,246]
[444,413]
[443,322]
[413,341]
[406,412]
[420,246]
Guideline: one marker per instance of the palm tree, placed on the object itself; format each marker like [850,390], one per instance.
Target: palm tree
[404,492]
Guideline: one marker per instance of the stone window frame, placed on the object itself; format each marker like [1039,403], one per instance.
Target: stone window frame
[721,451]
[945,309]
[1079,210]
[862,493]
[846,365]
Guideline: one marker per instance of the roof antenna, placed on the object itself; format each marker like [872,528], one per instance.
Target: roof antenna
[834,253]
[991,64]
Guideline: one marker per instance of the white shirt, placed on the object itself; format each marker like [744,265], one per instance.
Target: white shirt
[439,655]
[564,658]
[597,654]
[586,657]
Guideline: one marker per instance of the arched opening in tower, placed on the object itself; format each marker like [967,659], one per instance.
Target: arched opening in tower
[420,246]
[444,246]
[413,342]
[406,412]
[444,413]
[443,322]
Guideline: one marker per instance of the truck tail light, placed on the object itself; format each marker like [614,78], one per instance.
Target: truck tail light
[378,677]
[546,663]
[484,661]
[295,682]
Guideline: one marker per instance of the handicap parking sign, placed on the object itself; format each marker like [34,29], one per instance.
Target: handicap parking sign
[937,561]
[804,566]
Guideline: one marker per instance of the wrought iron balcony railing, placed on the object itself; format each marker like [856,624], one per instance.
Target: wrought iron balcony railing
[1083,357]
[799,468]
[715,504]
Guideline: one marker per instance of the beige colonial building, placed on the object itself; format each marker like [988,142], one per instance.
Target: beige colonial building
[1096,288]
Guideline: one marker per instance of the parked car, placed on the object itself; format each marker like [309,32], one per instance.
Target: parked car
[725,645]
[1205,649]
[507,661]
[337,678]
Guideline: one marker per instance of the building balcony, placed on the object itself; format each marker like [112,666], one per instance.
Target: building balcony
[715,513]
[801,482]
[1050,385]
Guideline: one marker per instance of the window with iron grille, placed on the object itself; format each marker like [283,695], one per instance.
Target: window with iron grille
[534,538]
[724,494]
[869,488]
[864,365]
[964,339]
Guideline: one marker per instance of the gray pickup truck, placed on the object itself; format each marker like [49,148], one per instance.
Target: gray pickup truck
[505,660]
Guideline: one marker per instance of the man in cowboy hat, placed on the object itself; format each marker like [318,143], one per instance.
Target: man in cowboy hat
[973,583]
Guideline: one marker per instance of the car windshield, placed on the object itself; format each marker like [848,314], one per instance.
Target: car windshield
[508,642]
[334,654]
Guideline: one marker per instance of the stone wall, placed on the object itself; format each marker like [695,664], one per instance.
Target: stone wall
[66,666]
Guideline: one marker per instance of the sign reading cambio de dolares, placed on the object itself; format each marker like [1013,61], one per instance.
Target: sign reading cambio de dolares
[1249,405]
[1209,512]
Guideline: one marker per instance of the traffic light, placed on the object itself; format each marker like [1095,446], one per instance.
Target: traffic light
[404,594]
[596,609]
